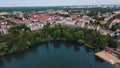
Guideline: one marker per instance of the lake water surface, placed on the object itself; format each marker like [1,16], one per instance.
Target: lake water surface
[55,55]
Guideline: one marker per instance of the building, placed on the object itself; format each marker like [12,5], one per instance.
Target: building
[17,21]
[4,27]
[35,26]
[116,21]
[104,21]
[40,18]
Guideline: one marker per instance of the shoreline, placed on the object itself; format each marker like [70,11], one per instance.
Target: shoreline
[85,44]
[9,54]
[106,56]
[117,65]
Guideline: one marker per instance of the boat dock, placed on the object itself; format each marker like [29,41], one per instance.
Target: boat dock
[108,57]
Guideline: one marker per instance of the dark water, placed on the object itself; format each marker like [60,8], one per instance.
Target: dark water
[55,55]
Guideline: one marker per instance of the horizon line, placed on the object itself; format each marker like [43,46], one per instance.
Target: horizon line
[62,5]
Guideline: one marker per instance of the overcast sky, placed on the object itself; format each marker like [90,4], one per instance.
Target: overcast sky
[16,3]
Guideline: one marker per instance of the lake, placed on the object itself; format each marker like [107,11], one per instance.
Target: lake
[55,55]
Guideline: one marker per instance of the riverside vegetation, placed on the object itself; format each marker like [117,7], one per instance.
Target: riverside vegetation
[21,38]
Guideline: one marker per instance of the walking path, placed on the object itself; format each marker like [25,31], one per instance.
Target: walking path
[108,57]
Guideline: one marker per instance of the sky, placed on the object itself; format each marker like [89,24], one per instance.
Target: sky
[17,3]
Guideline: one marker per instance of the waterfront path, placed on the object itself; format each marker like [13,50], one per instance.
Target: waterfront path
[108,57]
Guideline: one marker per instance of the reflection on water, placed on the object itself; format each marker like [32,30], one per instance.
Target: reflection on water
[57,45]
[99,59]
[88,49]
[55,55]
[76,47]
[1,63]
[47,47]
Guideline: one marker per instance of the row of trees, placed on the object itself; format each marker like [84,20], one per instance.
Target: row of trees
[110,20]
[16,42]
[115,27]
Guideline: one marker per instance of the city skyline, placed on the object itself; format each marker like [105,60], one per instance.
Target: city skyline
[21,3]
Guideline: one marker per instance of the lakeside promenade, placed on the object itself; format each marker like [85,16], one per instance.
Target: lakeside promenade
[108,57]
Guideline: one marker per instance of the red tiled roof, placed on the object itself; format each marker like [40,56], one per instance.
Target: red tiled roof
[71,20]
[109,48]
[78,18]
[113,23]
[85,27]
[35,25]
[118,18]
[103,22]
[17,20]
[39,17]
[3,23]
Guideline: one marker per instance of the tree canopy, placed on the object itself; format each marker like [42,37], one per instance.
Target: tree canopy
[14,43]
